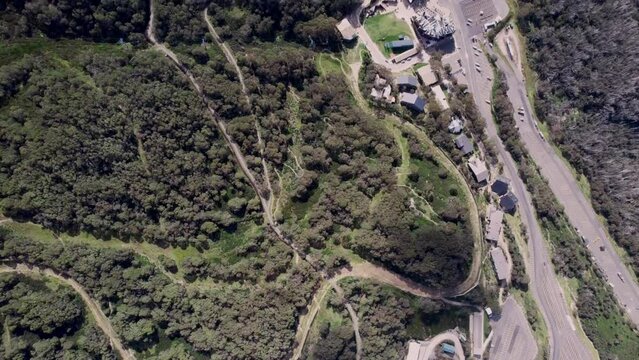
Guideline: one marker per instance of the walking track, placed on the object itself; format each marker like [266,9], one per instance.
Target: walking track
[100,319]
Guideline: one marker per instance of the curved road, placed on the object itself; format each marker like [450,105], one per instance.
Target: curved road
[565,188]
[564,341]
[100,319]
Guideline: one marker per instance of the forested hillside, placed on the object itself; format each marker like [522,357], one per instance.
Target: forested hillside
[45,320]
[586,54]
[116,172]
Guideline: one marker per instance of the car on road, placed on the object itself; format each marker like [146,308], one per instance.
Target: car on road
[521,111]
[620,277]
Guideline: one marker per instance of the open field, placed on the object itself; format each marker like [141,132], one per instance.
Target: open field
[384,28]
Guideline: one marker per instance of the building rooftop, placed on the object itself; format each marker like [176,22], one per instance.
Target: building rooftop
[433,25]
[508,202]
[456,125]
[427,75]
[413,101]
[493,225]
[478,168]
[448,348]
[400,44]
[346,29]
[500,185]
[464,144]
[406,80]
[500,263]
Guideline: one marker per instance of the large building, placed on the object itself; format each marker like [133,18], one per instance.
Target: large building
[346,29]
[404,43]
[427,75]
[493,224]
[433,25]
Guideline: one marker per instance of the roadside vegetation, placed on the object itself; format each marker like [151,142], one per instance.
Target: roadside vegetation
[600,315]
[592,119]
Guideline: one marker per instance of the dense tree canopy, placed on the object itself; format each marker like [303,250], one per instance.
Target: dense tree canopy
[585,54]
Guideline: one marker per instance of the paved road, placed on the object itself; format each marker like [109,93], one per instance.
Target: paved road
[564,341]
[512,337]
[100,319]
[578,209]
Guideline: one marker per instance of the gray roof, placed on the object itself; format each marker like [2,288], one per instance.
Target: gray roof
[398,44]
[413,101]
[407,80]
[493,227]
[464,144]
[478,169]
[500,263]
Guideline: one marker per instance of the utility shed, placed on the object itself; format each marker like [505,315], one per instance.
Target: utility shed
[463,143]
[500,185]
[412,101]
[493,225]
[500,263]
[448,349]
[406,82]
[508,202]
[441,97]
[478,168]
[427,75]
[400,45]
[346,29]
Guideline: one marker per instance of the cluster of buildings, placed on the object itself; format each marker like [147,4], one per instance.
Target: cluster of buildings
[432,25]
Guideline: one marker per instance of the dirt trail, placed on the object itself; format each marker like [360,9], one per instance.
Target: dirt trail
[475,271]
[230,57]
[239,157]
[101,320]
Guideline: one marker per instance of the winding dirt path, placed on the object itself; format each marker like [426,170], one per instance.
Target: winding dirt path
[230,57]
[239,157]
[101,320]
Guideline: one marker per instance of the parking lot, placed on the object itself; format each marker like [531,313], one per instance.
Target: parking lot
[479,12]
[512,338]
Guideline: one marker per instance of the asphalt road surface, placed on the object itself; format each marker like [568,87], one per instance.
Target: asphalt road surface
[578,209]
[477,333]
[563,338]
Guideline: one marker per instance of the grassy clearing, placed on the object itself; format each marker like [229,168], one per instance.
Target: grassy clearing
[402,144]
[219,251]
[65,49]
[384,28]
[327,65]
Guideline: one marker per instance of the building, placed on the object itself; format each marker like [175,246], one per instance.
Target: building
[406,82]
[404,43]
[432,25]
[464,144]
[508,202]
[405,55]
[412,101]
[455,126]
[500,263]
[440,97]
[448,349]
[427,75]
[382,90]
[493,224]
[479,170]
[346,29]
[500,185]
